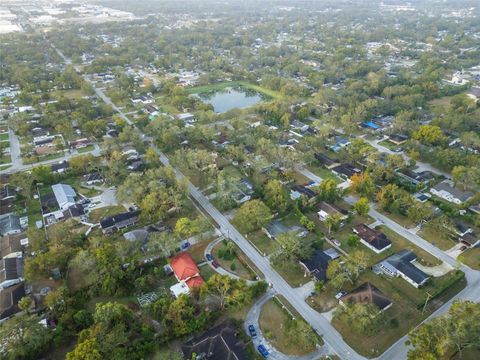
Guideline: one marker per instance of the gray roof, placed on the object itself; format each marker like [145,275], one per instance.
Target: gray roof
[459,194]
[64,194]
[9,223]
[402,261]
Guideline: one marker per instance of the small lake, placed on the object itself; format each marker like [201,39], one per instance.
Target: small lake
[231,98]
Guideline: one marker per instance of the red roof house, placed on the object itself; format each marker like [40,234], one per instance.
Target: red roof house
[186,270]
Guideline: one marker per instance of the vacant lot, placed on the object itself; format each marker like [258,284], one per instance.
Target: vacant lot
[440,239]
[471,258]
[272,323]
[236,264]
[97,214]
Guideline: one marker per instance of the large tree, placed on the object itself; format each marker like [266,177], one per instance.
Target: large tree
[252,215]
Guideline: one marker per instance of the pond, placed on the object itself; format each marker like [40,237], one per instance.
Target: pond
[231,98]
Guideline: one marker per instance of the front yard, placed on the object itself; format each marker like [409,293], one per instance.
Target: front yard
[97,214]
[440,239]
[471,258]
[237,264]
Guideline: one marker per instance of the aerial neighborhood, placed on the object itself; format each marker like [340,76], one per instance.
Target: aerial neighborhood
[206,180]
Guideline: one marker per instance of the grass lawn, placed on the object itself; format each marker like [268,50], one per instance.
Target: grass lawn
[5,167]
[439,239]
[241,268]
[402,220]
[76,183]
[125,300]
[323,173]
[86,149]
[228,84]
[272,323]
[263,243]
[5,159]
[206,272]
[97,214]
[400,243]
[198,250]
[323,301]
[4,137]
[403,315]
[74,94]
[389,145]
[471,258]
[292,272]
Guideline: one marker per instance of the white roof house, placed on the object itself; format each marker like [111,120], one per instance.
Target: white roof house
[65,195]
[179,289]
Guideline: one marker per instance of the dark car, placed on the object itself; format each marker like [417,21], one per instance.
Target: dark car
[252,331]
[209,257]
[262,350]
[215,264]
[185,245]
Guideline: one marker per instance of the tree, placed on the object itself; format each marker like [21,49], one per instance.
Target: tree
[362,206]
[275,196]
[163,243]
[293,246]
[328,191]
[419,212]
[363,318]
[353,240]
[363,184]
[455,331]
[184,227]
[333,222]
[252,215]
[228,291]
[25,303]
[429,134]
[23,337]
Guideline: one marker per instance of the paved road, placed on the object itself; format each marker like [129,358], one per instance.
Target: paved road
[252,319]
[15,152]
[68,156]
[318,322]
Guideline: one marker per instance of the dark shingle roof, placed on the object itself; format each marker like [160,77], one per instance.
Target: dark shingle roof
[317,264]
[367,294]
[115,219]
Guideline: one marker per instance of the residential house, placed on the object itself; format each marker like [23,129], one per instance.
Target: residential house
[186,273]
[370,125]
[276,227]
[373,239]
[11,271]
[9,299]
[222,342]
[7,192]
[12,246]
[401,264]
[93,178]
[416,178]
[11,224]
[316,265]
[326,161]
[298,190]
[325,210]
[340,143]
[80,143]
[346,171]
[187,118]
[367,294]
[114,223]
[64,195]
[461,228]
[398,139]
[449,193]
[60,167]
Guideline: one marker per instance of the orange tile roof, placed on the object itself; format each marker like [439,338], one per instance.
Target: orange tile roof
[185,269]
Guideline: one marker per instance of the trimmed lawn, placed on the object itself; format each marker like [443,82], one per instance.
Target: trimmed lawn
[97,214]
[206,272]
[3,136]
[323,301]
[272,323]
[402,220]
[263,243]
[292,272]
[323,173]
[5,167]
[471,258]
[86,149]
[400,243]
[405,313]
[440,239]
[389,145]
[198,251]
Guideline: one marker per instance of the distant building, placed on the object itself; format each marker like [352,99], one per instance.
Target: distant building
[326,161]
[325,210]
[9,298]
[416,178]
[65,195]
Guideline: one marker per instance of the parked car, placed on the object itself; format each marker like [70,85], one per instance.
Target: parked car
[336,242]
[252,331]
[340,294]
[215,264]
[185,245]
[262,350]
[209,257]
[463,248]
